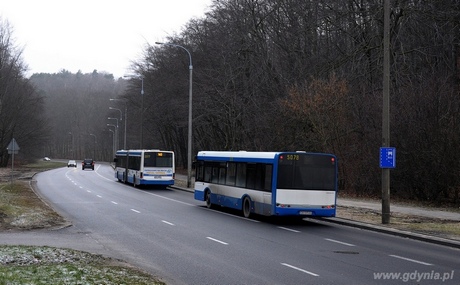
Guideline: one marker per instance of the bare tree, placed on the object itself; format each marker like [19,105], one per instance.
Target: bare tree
[271,74]
[21,108]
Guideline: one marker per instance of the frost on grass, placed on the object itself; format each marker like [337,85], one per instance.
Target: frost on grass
[28,255]
[28,219]
[48,265]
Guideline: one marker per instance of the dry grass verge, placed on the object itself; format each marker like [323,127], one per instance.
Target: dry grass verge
[411,223]
[21,209]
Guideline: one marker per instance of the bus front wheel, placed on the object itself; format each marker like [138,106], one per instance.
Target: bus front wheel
[246,207]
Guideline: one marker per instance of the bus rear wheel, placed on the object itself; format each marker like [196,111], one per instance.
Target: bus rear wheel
[208,200]
[246,207]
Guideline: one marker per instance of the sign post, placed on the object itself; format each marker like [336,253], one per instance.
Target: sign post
[387,162]
[13,148]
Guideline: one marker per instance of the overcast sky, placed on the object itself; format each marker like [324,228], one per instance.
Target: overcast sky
[105,35]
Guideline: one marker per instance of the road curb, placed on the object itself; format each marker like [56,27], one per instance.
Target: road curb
[66,223]
[182,188]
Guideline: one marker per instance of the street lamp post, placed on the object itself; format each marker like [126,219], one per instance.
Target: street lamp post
[142,112]
[113,140]
[142,106]
[116,131]
[71,143]
[189,144]
[126,119]
[95,145]
[121,119]
[118,134]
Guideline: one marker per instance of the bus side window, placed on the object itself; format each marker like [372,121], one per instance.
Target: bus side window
[215,174]
[241,175]
[132,163]
[259,176]
[199,171]
[231,173]
[251,176]
[222,174]
[268,177]
[207,173]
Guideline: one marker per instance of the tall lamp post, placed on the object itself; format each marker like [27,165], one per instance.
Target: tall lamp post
[189,145]
[71,137]
[113,140]
[142,106]
[116,132]
[95,145]
[126,118]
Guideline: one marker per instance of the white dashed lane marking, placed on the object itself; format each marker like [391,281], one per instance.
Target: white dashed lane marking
[216,240]
[300,269]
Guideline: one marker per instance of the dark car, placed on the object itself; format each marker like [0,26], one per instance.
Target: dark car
[87,163]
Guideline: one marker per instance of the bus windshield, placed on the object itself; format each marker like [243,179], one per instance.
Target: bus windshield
[158,159]
[306,172]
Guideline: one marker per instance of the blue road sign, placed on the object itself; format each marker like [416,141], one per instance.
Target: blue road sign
[387,157]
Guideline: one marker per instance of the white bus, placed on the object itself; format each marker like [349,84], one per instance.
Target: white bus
[268,183]
[145,167]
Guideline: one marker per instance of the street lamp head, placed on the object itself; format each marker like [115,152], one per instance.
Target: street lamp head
[159,43]
[118,99]
[133,76]
[121,113]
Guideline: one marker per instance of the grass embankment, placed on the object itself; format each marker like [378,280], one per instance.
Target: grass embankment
[21,209]
[47,265]
[430,226]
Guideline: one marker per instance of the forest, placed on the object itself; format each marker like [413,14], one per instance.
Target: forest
[268,75]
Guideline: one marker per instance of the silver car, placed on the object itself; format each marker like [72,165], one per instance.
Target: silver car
[72,163]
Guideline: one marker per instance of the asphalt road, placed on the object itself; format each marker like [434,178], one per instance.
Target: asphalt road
[169,234]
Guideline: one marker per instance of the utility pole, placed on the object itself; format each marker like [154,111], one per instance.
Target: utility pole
[386,111]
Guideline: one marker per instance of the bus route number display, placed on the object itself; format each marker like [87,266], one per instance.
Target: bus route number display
[292,157]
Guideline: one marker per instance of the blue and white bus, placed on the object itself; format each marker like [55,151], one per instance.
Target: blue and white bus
[145,167]
[268,183]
